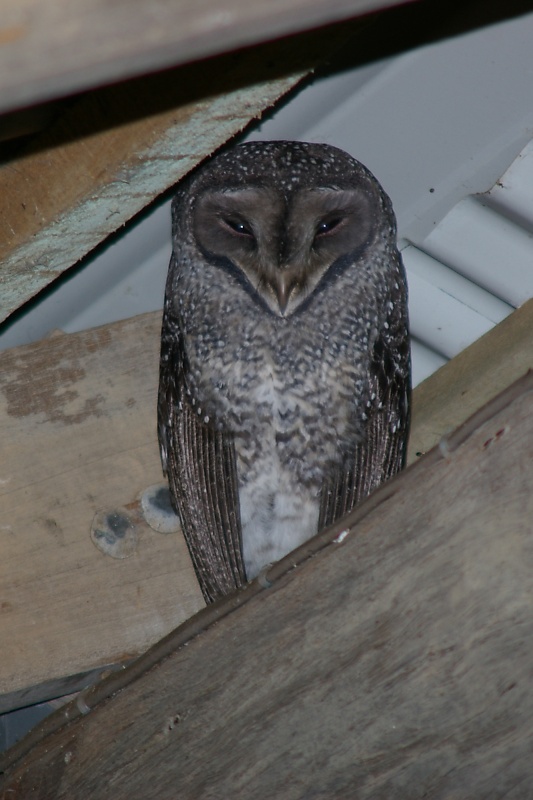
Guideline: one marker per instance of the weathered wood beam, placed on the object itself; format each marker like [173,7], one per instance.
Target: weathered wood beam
[50,49]
[476,375]
[77,423]
[389,657]
[115,150]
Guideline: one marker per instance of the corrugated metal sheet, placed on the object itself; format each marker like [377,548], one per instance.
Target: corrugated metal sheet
[439,126]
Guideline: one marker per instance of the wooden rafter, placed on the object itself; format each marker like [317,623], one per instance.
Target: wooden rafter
[50,49]
[453,393]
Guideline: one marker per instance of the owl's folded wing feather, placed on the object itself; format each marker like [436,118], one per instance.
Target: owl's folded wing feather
[201,469]
[382,452]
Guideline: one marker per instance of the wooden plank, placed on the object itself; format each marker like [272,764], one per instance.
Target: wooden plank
[393,661]
[448,397]
[77,423]
[113,151]
[50,49]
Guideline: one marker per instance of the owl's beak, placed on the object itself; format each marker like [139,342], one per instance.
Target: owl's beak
[282,285]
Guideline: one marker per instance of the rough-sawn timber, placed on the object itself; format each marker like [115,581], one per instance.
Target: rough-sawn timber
[390,657]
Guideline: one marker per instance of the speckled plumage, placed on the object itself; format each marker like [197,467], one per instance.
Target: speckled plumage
[284,389]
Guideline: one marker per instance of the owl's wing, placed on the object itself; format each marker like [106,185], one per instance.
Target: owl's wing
[201,468]
[383,451]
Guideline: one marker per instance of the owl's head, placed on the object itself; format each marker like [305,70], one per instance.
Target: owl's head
[285,216]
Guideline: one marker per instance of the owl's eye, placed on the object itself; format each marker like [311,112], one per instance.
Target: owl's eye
[238,227]
[327,226]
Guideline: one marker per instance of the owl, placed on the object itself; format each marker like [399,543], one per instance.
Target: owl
[285,370]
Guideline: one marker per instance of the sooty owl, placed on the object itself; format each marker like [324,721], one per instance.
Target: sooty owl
[285,368]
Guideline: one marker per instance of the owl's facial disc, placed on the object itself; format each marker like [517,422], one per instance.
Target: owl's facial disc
[283,248]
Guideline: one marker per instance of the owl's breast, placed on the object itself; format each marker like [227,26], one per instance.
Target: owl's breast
[296,384]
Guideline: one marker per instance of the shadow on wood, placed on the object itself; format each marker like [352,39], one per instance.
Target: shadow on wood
[388,657]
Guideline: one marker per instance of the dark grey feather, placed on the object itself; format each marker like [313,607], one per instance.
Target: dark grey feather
[383,450]
[200,464]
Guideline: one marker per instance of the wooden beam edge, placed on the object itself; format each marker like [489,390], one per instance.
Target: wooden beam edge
[473,377]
